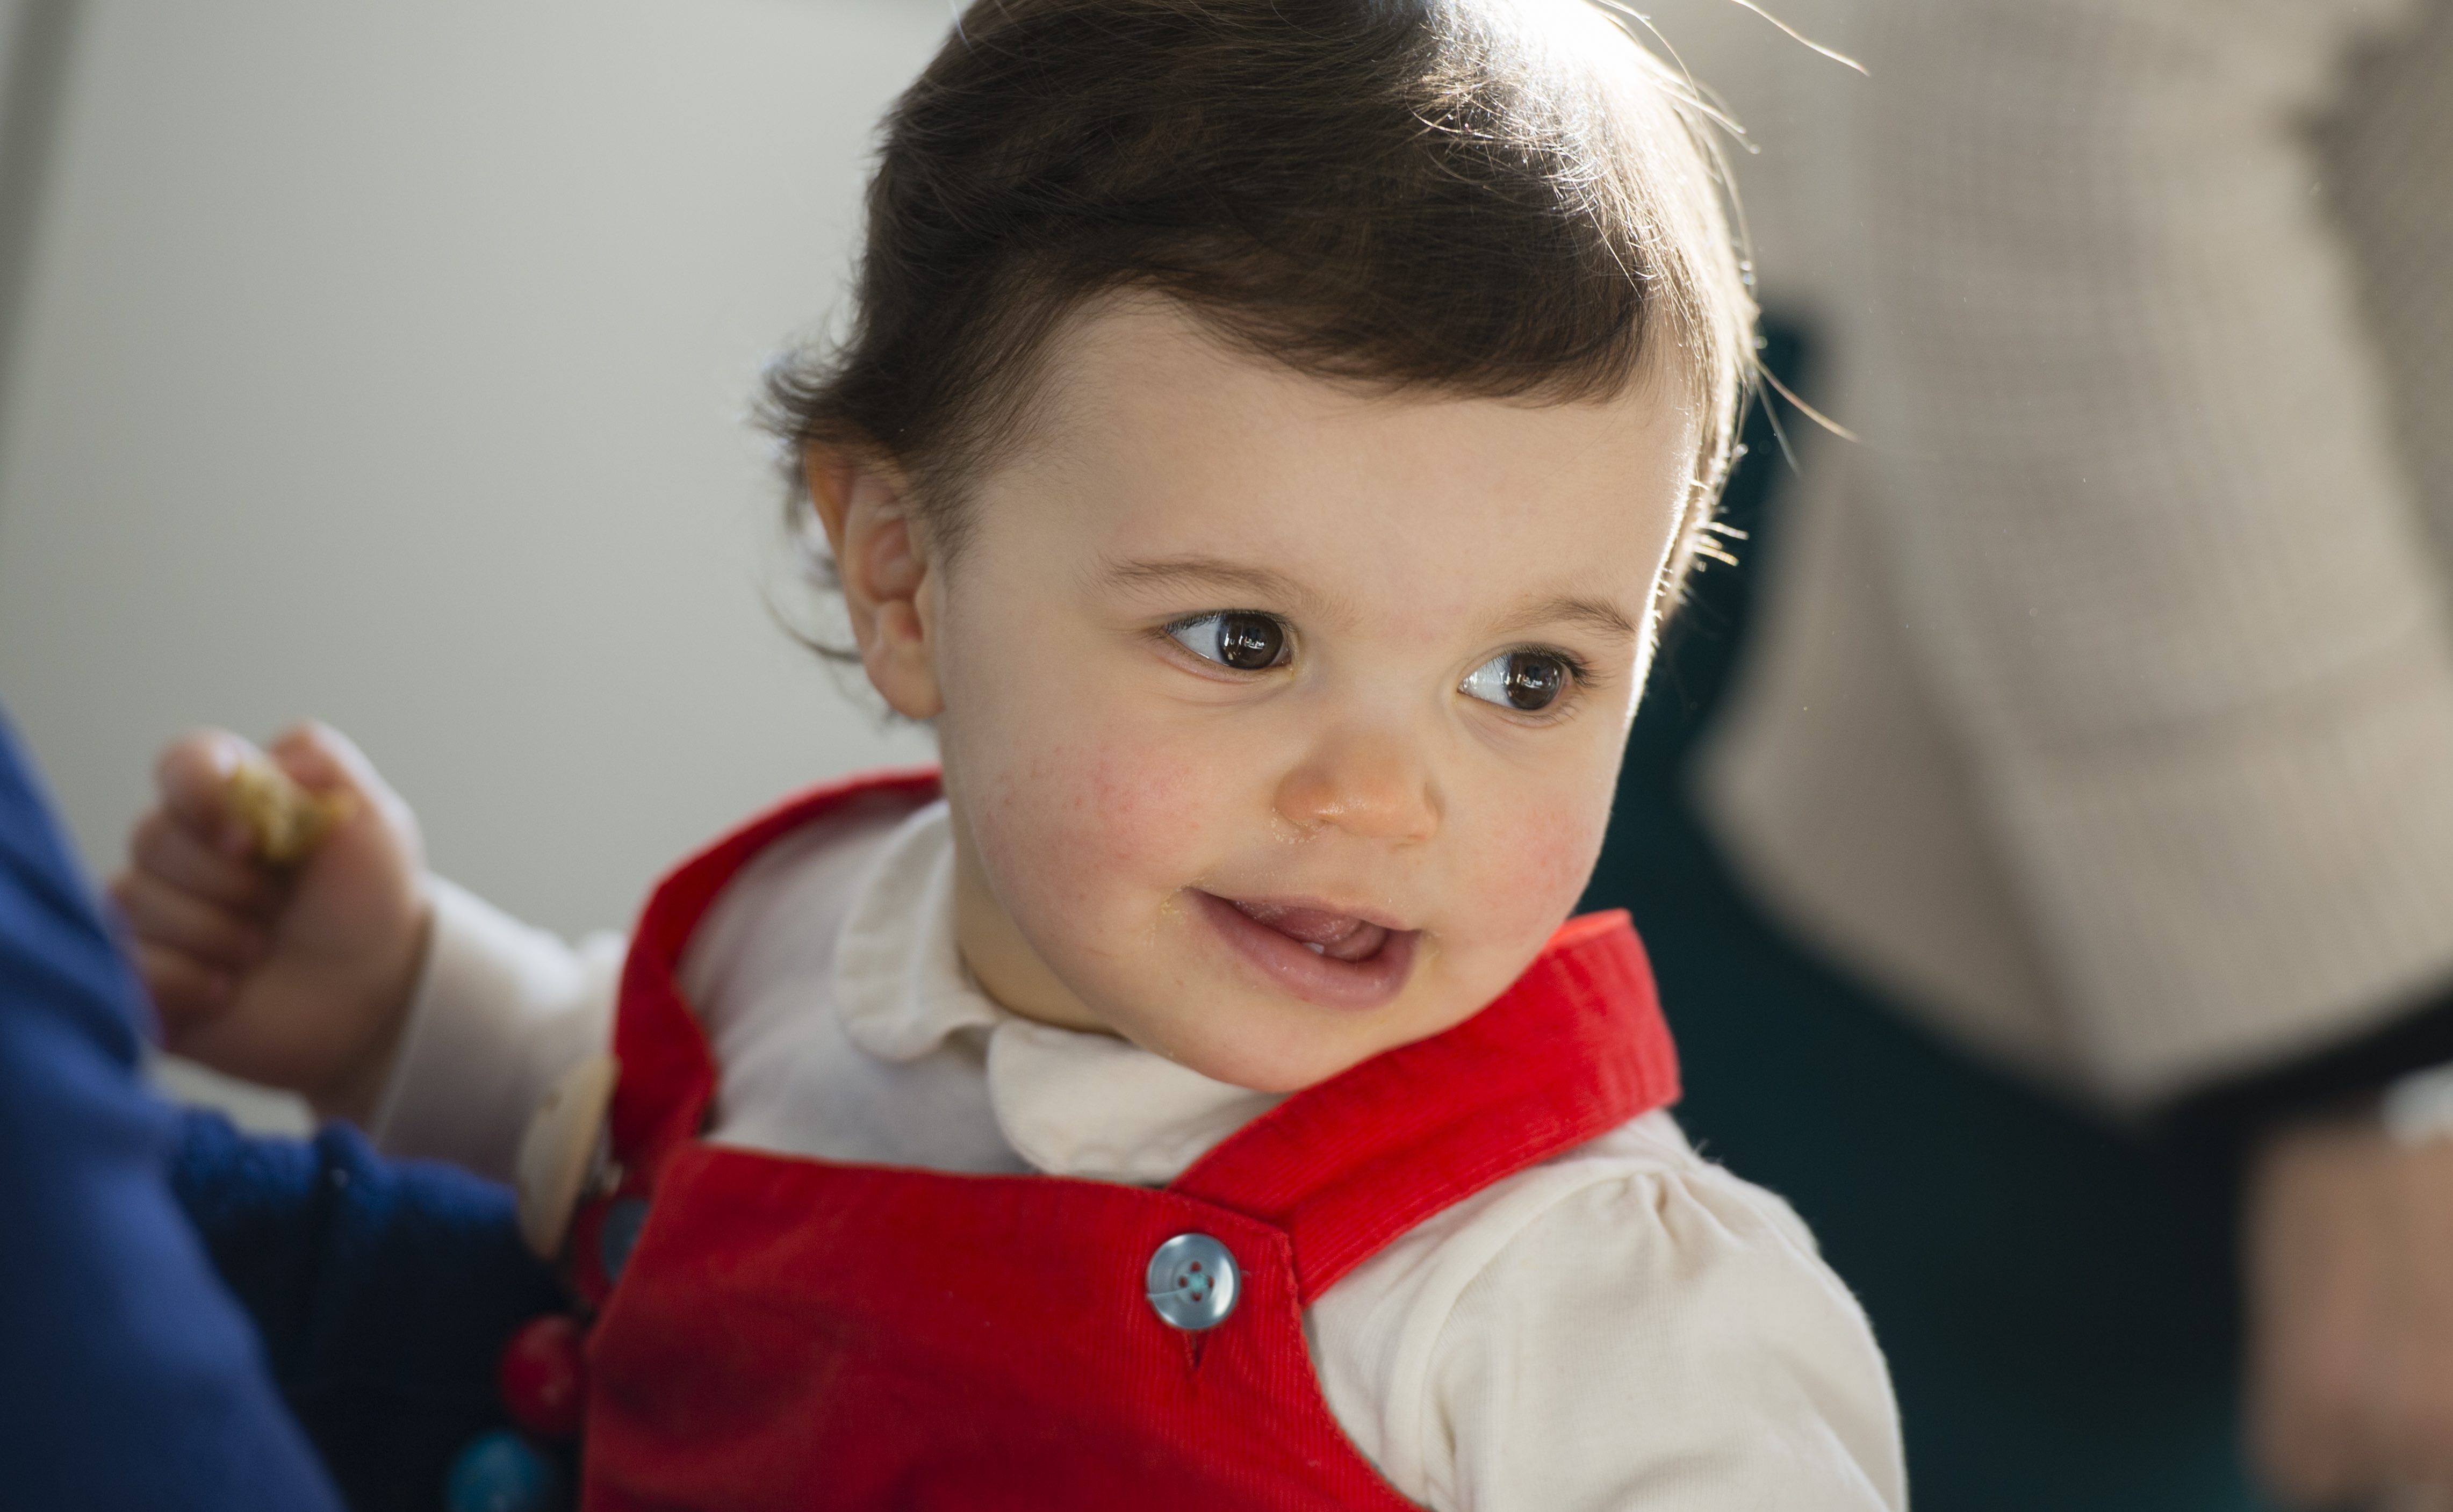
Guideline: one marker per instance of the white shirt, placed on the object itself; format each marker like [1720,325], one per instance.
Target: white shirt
[1624,1325]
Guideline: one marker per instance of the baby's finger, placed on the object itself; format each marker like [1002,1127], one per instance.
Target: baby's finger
[194,775]
[162,915]
[323,759]
[187,993]
[171,852]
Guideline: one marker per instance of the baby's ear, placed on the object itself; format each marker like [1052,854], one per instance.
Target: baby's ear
[880,553]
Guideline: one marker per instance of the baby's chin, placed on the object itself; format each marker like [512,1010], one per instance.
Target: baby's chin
[1275,1063]
[1269,1043]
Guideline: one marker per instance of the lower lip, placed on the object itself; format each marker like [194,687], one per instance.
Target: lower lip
[1294,967]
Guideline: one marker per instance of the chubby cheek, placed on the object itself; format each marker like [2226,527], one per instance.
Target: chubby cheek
[1530,863]
[1087,835]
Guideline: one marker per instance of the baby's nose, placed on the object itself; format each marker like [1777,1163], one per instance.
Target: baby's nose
[1372,786]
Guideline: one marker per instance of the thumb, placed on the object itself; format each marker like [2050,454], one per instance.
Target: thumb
[324,761]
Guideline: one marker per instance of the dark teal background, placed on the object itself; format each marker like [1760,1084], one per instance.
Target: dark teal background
[2058,1302]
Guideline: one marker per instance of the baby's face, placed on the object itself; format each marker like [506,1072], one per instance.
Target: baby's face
[1279,723]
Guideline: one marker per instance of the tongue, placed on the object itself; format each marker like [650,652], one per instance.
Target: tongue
[1338,936]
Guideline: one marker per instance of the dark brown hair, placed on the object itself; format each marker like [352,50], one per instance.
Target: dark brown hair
[1507,198]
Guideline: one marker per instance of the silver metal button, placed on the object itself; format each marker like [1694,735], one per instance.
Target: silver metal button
[1194,1282]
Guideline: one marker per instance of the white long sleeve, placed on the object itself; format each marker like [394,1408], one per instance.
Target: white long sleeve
[501,1010]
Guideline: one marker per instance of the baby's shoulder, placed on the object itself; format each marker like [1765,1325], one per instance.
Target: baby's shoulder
[1626,1314]
[1637,1234]
[1639,1204]
[1645,1175]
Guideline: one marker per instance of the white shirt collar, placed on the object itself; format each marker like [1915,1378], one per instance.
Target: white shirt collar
[900,982]
[1071,1104]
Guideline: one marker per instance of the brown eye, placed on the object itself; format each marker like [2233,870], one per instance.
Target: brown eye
[1248,643]
[1529,681]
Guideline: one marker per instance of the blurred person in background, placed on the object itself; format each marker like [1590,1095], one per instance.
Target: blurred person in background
[2094,712]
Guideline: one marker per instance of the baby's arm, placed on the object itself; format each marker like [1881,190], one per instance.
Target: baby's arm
[1632,1330]
[352,975]
[501,1011]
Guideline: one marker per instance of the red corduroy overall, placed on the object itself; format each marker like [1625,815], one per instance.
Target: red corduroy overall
[795,1333]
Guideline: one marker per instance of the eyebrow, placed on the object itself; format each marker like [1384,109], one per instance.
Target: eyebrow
[1208,571]
[1593,614]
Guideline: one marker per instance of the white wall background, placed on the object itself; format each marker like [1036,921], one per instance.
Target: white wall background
[388,364]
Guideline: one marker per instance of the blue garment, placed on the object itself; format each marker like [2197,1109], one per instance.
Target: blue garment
[376,1296]
[384,1292]
[127,1376]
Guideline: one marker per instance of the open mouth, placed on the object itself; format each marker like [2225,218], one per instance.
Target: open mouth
[1335,959]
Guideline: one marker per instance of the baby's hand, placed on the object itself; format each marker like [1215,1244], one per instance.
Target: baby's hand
[294,972]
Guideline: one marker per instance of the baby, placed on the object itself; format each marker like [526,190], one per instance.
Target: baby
[1271,435]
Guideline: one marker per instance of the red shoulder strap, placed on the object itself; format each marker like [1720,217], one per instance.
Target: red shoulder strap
[1574,1048]
[667,1071]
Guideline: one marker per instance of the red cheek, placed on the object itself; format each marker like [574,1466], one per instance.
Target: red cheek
[1547,859]
[1087,813]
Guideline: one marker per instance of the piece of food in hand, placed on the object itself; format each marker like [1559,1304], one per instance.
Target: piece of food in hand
[286,821]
